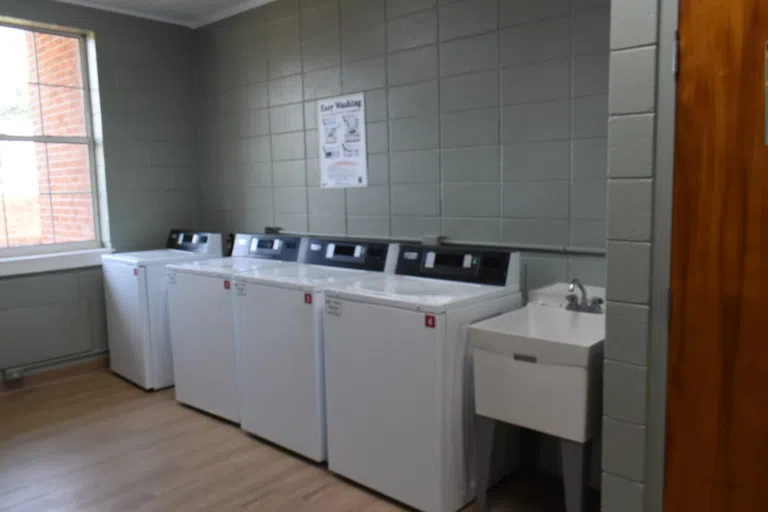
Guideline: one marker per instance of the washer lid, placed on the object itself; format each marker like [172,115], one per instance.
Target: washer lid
[416,293]
[153,257]
[224,267]
[303,276]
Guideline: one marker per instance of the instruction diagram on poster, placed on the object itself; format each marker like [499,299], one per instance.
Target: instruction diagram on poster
[343,155]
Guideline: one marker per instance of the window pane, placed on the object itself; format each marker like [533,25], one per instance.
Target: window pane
[23,183]
[19,109]
[73,218]
[69,168]
[58,60]
[63,111]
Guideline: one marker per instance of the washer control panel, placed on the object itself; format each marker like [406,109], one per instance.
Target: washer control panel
[467,264]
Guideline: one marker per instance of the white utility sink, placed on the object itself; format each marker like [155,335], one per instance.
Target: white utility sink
[540,368]
[555,294]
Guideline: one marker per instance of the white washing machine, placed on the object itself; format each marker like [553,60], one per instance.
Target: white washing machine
[399,373]
[135,291]
[279,328]
[201,316]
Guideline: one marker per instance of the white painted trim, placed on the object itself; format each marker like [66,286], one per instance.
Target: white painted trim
[197,23]
[128,12]
[247,5]
[51,262]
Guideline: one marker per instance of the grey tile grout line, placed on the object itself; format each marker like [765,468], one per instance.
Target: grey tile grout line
[340,21]
[439,123]
[273,220]
[572,129]
[500,122]
[386,97]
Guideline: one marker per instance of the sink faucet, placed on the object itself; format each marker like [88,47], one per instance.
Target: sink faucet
[584,305]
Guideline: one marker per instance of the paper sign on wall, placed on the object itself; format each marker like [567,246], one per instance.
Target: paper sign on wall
[343,155]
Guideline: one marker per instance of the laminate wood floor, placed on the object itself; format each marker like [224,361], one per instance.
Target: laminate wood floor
[96,443]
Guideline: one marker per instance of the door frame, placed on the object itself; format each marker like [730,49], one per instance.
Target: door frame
[664,160]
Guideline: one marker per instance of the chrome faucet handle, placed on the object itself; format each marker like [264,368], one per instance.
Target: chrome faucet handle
[596,305]
[576,283]
[573,302]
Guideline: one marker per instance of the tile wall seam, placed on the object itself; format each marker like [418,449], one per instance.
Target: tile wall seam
[615,475]
[388,120]
[341,86]
[627,49]
[572,130]
[269,126]
[441,228]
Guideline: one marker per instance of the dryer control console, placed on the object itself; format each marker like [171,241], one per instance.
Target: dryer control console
[360,255]
[194,241]
[272,247]
[466,264]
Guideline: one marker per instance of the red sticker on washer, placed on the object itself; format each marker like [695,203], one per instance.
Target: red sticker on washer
[135,271]
[307,298]
[227,284]
[430,321]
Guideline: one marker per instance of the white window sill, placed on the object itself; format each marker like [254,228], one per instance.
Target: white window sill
[21,265]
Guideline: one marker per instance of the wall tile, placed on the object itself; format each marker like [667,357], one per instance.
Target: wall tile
[414,133]
[470,128]
[630,208]
[257,149]
[363,44]
[411,66]
[372,200]
[321,52]
[625,391]
[361,13]
[254,122]
[283,9]
[296,222]
[591,31]
[415,200]
[376,138]
[253,96]
[535,231]
[285,90]
[415,166]
[322,84]
[544,81]
[287,118]
[328,201]
[633,81]
[536,122]
[288,146]
[378,169]
[376,105]
[590,270]
[629,272]
[474,90]
[535,200]
[537,161]
[471,230]
[311,142]
[289,173]
[589,159]
[470,165]
[588,233]
[539,271]
[322,20]
[310,115]
[631,146]
[588,200]
[470,200]
[518,12]
[536,42]
[414,227]
[633,22]
[468,17]
[469,54]
[590,117]
[284,55]
[415,100]
[397,8]
[624,449]
[622,495]
[367,226]
[590,74]
[327,224]
[290,199]
[626,333]
[414,30]
[363,75]
[313,170]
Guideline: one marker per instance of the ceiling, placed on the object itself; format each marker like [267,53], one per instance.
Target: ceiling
[190,13]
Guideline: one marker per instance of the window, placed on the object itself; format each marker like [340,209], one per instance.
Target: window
[47,192]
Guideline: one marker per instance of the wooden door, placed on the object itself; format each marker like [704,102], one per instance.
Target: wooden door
[717,428]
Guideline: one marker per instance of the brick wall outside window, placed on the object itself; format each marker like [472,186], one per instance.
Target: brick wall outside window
[47,189]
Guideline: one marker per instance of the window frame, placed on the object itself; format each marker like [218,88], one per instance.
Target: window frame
[89,140]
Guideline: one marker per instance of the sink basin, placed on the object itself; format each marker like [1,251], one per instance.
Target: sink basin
[540,368]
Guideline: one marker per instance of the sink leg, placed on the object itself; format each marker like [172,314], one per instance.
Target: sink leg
[575,458]
[484,432]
